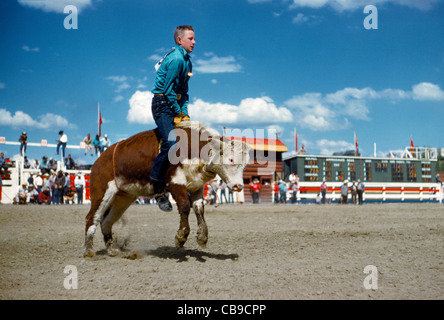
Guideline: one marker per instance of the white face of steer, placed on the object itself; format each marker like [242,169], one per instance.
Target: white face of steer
[228,160]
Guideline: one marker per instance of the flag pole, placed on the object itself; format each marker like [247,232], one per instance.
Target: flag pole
[99,120]
[356,144]
[295,140]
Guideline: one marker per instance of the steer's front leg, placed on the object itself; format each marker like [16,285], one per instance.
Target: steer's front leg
[179,193]
[198,206]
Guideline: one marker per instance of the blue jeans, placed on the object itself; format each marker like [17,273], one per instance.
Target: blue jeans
[63,148]
[163,115]
[58,196]
[23,148]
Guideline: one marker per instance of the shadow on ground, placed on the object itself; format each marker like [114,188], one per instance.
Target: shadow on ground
[181,254]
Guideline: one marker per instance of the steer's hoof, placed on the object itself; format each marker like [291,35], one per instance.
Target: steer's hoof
[181,238]
[201,239]
[88,254]
[202,242]
[179,243]
[112,252]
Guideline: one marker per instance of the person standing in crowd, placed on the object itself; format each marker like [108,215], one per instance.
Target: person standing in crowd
[361,189]
[213,188]
[23,143]
[256,187]
[30,179]
[354,192]
[79,183]
[67,186]
[230,196]
[88,144]
[344,192]
[52,187]
[46,184]
[283,192]
[294,191]
[276,192]
[323,191]
[62,141]
[223,188]
[38,182]
[59,184]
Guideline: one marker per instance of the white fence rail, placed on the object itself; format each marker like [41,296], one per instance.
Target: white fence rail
[377,191]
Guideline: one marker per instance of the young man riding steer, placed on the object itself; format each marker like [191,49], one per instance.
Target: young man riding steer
[170,105]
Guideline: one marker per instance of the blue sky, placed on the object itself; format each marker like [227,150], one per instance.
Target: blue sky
[257,64]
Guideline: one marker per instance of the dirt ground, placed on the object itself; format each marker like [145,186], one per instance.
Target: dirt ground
[254,252]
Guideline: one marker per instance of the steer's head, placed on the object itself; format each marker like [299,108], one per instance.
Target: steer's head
[228,160]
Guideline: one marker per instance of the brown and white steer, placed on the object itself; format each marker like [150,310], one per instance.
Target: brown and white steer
[122,174]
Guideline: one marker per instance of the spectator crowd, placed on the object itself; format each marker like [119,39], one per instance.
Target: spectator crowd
[51,188]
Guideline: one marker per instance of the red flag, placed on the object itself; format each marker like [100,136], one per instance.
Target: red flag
[411,144]
[356,144]
[295,140]
[100,122]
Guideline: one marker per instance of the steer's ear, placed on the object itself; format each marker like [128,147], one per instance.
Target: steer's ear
[215,143]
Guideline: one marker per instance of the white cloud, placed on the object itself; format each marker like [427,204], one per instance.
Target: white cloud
[315,113]
[121,82]
[348,5]
[123,86]
[328,146]
[28,49]
[332,111]
[207,112]
[23,120]
[215,64]
[155,57]
[50,121]
[118,98]
[2,85]
[117,78]
[250,110]
[141,86]
[302,18]
[310,3]
[427,91]
[313,110]
[257,110]
[259,1]
[140,108]
[55,5]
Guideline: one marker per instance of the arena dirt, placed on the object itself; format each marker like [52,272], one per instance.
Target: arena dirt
[254,252]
